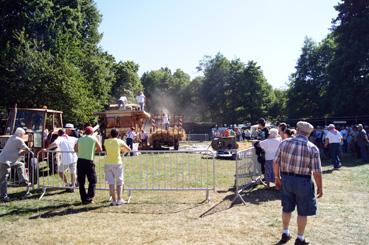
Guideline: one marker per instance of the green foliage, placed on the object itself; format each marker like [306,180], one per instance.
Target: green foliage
[307,93]
[50,56]
[233,92]
[165,92]
[349,70]
[127,81]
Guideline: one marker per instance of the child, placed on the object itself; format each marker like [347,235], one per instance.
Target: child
[113,166]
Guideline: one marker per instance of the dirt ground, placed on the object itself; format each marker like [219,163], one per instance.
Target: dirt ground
[183,217]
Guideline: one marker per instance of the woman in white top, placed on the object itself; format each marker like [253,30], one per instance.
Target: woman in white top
[270,146]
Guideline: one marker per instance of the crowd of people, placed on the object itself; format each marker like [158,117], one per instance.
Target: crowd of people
[350,138]
[290,157]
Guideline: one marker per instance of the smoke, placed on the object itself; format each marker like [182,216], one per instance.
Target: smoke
[160,102]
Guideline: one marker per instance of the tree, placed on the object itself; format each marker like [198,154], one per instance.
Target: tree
[307,93]
[278,107]
[232,92]
[50,56]
[127,82]
[164,90]
[349,70]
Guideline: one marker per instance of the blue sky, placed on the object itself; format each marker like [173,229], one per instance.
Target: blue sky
[178,33]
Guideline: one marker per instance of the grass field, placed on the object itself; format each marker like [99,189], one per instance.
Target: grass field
[183,217]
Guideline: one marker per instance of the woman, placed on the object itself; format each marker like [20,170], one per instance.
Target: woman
[270,146]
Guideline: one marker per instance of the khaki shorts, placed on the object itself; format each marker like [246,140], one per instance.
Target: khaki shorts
[114,173]
[72,168]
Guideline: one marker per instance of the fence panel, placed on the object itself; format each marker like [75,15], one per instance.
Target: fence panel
[248,171]
[148,171]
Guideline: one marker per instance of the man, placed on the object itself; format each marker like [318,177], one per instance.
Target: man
[165,121]
[333,141]
[66,143]
[296,159]
[113,166]
[13,149]
[344,133]
[264,131]
[130,136]
[86,147]
[122,102]
[141,100]
[362,142]
[262,135]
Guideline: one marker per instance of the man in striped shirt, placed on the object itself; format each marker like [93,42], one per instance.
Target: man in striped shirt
[296,160]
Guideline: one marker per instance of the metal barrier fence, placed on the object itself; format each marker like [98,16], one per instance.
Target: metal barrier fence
[198,137]
[248,171]
[148,171]
[22,168]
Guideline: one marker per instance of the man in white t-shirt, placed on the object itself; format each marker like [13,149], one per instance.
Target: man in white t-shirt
[141,100]
[333,141]
[65,144]
[270,147]
[165,121]
[122,102]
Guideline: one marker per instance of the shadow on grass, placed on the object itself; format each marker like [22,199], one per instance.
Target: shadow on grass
[348,161]
[35,194]
[54,212]
[254,197]
[27,210]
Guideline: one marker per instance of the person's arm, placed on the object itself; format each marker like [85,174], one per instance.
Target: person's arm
[276,169]
[125,147]
[76,147]
[98,147]
[319,183]
[317,172]
[23,148]
[326,142]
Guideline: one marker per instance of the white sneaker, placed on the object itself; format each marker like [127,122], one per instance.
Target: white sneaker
[120,202]
[114,203]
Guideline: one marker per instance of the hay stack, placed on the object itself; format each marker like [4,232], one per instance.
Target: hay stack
[167,135]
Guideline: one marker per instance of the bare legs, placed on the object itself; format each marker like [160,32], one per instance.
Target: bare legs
[116,194]
[301,223]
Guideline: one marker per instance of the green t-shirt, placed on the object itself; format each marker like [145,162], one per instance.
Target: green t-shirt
[86,147]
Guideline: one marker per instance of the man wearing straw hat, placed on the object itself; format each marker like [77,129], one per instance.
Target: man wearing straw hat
[295,161]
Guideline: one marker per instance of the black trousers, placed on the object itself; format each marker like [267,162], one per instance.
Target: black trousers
[129,142]
[86,168]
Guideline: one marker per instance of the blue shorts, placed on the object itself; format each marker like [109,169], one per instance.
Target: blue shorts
[298,191]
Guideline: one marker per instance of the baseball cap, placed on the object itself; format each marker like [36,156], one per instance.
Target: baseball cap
[69,125]
[89,130]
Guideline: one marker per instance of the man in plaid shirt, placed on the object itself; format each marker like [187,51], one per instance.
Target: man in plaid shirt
[295,161]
